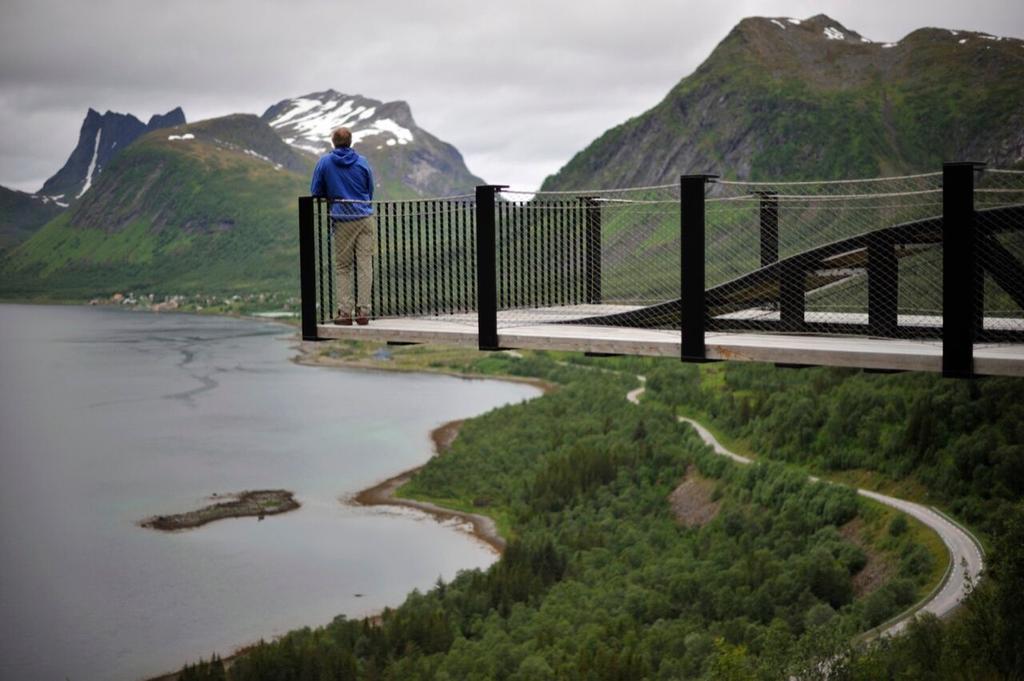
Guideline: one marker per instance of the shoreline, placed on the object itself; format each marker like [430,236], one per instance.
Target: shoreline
[307,358]
[483,527]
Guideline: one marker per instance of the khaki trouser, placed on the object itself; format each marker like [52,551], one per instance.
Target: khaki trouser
[354,244]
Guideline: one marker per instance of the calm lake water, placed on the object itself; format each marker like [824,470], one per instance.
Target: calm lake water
[109,416]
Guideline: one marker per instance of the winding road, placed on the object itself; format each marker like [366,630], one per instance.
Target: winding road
[965,553]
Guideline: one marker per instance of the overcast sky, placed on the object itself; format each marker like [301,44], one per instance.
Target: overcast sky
[517,86]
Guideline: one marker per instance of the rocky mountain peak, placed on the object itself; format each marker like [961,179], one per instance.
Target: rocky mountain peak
[101,137]
[168,120]
[787,41]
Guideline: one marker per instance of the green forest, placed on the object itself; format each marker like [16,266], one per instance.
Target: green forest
[959,444]
[603,578]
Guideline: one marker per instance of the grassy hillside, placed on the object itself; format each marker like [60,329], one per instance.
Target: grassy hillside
[781,100]
[214,213]
[21,215]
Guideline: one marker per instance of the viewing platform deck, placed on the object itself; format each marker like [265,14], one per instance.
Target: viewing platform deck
[887,354]
[920,272]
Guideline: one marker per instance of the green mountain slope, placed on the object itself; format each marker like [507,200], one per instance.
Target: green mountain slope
[21,215]
[205,207]
[789,99]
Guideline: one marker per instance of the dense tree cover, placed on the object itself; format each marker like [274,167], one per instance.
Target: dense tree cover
[982,642]
[599,581]
[963,439]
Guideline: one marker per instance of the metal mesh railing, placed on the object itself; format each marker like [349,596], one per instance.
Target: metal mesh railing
[424,256]
[852,257]
[999,202]
[544,265]
[611,256]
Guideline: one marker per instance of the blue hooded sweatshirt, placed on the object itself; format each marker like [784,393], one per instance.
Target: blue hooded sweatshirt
[344,174]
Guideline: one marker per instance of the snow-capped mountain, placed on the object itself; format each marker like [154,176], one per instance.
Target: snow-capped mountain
[101,138]
[306,122]
[403,155]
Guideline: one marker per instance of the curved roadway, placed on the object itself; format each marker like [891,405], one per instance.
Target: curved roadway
[965,554]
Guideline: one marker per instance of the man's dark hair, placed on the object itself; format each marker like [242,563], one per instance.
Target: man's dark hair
[342,137]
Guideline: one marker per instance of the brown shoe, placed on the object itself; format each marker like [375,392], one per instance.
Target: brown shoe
[362,317]
[343,319]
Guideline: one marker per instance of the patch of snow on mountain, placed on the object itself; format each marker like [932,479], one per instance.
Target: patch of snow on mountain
[310,148]
[779,24]
[391,143]
[795,22]
[251,152]
[887,45]
[56,198]
[186,136]
[299,107]
[92,163]
[833,33]
[311,122]
[258,155]
[955,33]
[864,40]
[315,120]
[386,125]
[342,114]
[962,41]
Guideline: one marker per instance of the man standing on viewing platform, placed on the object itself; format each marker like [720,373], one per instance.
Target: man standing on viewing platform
[344,177]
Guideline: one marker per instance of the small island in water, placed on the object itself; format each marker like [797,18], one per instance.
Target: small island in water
[257,503]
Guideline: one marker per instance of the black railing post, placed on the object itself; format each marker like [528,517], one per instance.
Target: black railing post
[792,300]
[307,268]
[379,265]
[769,219]
[883,287]
[693,311]
[592,235]
[961,279]
[318,208]
[486,268]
